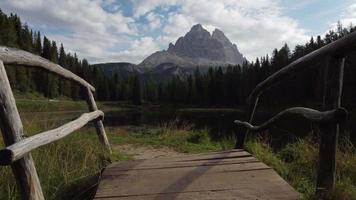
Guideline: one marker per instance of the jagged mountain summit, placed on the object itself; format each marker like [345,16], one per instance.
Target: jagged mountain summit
[197,48]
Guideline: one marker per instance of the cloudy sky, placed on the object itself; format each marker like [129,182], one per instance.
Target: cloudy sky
[130,30]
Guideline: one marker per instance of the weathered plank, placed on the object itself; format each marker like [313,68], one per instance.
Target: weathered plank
[14,56]
[99,126]
[16,151]
[221,175]
[12,131]
[331,116]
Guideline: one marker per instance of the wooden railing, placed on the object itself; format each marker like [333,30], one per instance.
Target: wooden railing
[17,151]
[334,55]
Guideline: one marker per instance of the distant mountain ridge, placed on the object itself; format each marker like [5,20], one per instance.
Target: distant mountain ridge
[123,68]
[197,48]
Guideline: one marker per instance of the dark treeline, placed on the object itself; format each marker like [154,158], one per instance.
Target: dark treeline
[15,34]
[230,86]
[227,86]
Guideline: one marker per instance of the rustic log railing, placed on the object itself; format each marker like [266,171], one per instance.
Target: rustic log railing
[333,54]
[17,151]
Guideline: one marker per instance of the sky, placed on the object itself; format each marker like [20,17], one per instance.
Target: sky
[130,30]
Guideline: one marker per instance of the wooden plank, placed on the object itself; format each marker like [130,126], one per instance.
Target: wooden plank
[13,56]
[225,194]
[217,178]
[208,168]
[99,126]
[202,156]
[330,132]
[129,166]
[16,151]
[12,131]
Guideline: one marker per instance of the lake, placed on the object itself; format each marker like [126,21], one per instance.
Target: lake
[219,122]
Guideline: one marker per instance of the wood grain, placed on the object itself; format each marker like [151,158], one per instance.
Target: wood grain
[220,175]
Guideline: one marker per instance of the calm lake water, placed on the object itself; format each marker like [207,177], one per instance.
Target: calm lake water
[218,122]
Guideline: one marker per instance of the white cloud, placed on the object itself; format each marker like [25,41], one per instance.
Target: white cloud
[255,26]
[154,21]
[137,51]
[349,15]
[142,7]
[85,27]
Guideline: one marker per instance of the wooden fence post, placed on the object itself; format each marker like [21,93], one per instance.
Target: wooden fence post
[12,131]
[241,135]
[98,123]
[329,132]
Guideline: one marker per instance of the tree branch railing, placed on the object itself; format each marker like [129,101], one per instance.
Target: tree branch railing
[333,53]
[17,152]
[12,56]
[332,116]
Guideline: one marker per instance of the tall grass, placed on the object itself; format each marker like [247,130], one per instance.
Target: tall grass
[60,164]
[297,163]
[181,137]
[68,166]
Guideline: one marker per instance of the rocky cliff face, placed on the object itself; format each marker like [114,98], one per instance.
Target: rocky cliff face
[198,48]
[230,51]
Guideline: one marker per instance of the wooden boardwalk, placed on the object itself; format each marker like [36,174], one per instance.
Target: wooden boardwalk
[233,174]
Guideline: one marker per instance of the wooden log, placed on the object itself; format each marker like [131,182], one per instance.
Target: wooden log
[329,132]
[12,130]
[18,150]
[14,56]
[338,48]
[331,116]
[99,126]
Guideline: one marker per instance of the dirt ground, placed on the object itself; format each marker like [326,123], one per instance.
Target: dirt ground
[147,152]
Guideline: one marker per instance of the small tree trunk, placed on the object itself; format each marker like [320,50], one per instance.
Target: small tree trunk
[12,131]
[243,132]
[98,123]
[329,132]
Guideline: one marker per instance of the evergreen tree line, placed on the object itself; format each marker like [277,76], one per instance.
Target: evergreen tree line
[230,86]
[15,34]
[221,86]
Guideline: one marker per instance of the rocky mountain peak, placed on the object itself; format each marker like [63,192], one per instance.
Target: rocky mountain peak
[197,48]
[197,27]
[220,36]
